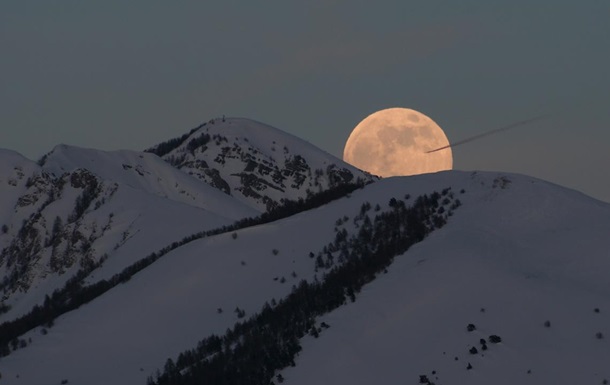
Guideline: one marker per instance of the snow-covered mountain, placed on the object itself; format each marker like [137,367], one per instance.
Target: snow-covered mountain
[86,208]
[256,163]
[511,266]
[90,214]
[523,260]
[131,267]
[145,172]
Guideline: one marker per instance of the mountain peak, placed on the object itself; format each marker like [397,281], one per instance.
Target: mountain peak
[257,163]
[115,261]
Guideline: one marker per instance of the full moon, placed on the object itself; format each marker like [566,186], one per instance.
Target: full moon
[395,141]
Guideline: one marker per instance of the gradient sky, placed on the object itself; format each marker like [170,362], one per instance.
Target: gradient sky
[114,74]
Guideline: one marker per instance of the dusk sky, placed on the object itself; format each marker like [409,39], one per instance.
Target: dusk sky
[114,75]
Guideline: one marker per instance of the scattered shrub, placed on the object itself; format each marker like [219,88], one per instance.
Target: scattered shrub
[599,335]
[473,350]
[240,312]
[471,327]
[234,235]
[314,332]
[4,308]
[494,339]
[547,324]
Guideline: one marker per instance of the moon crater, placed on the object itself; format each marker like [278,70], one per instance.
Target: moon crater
[394,142]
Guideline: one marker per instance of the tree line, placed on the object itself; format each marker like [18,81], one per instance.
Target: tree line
[253,351]
[74,294]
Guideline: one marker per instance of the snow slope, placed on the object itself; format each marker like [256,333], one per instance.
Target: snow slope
[256,163]
[137,204]
[146,172]
[524,250]
[508,262]
[14,171]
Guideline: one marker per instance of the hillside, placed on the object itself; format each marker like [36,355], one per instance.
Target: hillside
[86,210]
[145,172]
[515,253]
[256,163]
[87,214]
[527,262]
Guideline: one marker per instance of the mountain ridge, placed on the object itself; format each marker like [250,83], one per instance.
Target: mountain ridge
[509,285]
[254,246]
[69,220]
[257,163]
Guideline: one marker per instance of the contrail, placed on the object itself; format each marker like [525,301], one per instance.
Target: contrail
[489,133]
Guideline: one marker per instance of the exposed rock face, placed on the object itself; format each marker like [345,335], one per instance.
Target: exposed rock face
[77,208]
[54,234]
[256,163]
[80,209]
